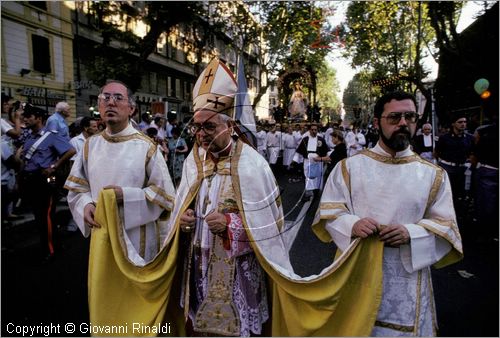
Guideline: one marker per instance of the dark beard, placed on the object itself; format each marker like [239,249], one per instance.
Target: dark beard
[399,140]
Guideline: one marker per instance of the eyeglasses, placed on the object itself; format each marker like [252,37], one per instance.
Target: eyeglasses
[208,127]
[107,96]
[395,117]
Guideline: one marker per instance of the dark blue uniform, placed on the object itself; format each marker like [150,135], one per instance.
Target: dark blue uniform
[453,151]
[486,179]
[39,190]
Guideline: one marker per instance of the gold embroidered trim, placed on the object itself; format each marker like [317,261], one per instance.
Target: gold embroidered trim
[161,192]
[442,234]
[332,205]
[345,174]
[433,306]
[157,202]
[75,189]
[142,247]
[435,187]
[86,150]
[389,160]
[417,305]
[117,139]
[78,180]
[402,328]
[151,152]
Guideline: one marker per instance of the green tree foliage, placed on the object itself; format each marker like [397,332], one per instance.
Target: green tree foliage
[328,89]
[357,99]
[383,37]
[284,31]
[160,16]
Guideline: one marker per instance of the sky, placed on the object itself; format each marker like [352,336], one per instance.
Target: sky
[344,70]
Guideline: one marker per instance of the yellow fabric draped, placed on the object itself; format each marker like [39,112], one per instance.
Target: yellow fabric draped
[344,302]
[120,293]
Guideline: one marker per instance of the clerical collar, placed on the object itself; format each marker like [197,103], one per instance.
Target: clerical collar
[127,131]
[223,152]
[403,153]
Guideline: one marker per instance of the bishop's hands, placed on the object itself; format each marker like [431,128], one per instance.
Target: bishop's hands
[392,235]
[188,220]
[216,221]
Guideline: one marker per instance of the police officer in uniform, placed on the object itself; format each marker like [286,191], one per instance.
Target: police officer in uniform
[43,153]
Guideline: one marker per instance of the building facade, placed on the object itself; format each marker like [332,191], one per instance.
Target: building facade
[48,48]
[37,53]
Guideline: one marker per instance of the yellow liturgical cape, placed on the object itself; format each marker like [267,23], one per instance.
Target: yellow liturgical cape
[342,300]
[121,294]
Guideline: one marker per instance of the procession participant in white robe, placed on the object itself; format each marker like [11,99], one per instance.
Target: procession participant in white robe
[355,142]
[297,135]
[328,138]
[273,144]
[274,141]
[312,148]
[125,160]
[261,141]
[392,193]
[227,192]
[288,148]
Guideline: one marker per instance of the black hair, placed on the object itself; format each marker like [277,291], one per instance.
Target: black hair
[85,122]
[6,97]
[130,93]
[144,116]
[30,110]
[386,98]
[176,131]
[152,132]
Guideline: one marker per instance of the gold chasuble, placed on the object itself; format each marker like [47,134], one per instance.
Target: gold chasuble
[124,299]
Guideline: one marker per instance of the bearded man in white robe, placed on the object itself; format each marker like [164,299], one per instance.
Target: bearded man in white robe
[126,161]
[390,192]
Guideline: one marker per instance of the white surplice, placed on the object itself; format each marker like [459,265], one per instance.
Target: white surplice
[274,145]
[288,149]
[402,190]
[133,162]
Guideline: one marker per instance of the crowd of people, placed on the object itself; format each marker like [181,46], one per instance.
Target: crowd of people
[189,218]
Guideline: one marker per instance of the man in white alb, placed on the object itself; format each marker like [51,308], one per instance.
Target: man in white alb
[126,161]
[392,193]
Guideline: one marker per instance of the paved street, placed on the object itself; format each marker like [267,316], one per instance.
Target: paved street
[55,292]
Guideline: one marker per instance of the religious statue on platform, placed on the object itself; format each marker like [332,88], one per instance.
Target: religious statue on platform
[298,102]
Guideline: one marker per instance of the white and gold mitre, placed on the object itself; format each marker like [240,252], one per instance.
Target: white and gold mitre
[215,89]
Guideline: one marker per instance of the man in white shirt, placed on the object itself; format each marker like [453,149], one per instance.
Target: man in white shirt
[88,126]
